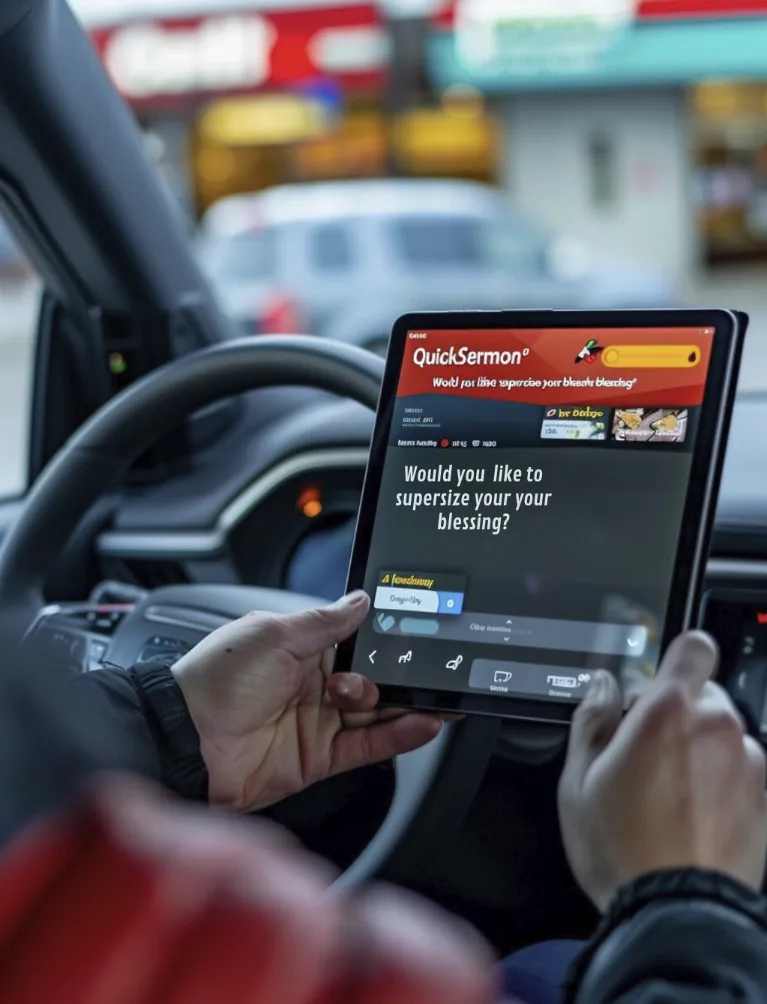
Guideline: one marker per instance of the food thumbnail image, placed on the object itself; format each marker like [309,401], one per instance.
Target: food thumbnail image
[649,425]
[575,422]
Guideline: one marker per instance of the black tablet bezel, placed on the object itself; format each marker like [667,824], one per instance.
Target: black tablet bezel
[700,504]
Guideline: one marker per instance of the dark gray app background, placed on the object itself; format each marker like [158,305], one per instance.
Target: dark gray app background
[610,529]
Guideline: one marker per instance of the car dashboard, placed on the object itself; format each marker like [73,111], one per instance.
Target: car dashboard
[262,507]
[273,503]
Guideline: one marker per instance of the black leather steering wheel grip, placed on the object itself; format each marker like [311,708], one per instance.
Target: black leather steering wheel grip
[95,458]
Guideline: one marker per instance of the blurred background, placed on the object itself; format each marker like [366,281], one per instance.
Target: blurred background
[337,162]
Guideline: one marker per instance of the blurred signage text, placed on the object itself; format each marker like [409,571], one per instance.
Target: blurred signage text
[153,61]
[646,10]
[562,36]
[215,54]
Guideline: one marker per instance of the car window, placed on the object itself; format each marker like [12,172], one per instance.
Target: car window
[468,242]
[19,303]
[330,248]
[520,249]
[238,257]
[438,240]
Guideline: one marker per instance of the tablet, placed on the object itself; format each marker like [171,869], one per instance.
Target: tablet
[538,503]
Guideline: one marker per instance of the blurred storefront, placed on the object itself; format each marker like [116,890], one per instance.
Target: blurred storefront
[639,126]
[282,91]
[730,143]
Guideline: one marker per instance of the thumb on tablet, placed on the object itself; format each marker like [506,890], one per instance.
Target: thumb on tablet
[691,660]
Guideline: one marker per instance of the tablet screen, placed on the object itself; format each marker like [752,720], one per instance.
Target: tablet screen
[531,500]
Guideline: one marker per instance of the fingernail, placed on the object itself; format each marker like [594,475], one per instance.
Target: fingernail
[356,598]
[350,686]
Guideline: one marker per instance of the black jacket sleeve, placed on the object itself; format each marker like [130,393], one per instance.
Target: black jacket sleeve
[677,937]
[145,708]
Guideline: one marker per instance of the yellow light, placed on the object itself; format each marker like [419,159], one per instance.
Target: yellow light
[433,138]
[309,502]
[215,165]
[355,146]
[725,98]
[271,119]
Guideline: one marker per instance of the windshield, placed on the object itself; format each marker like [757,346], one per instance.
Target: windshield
[597,155]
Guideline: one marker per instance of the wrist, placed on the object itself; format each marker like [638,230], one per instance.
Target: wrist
[684,885]
[165,709]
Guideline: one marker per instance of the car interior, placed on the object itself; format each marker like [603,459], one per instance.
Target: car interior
[180,475]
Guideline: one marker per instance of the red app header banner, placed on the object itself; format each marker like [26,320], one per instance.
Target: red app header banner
[645,367]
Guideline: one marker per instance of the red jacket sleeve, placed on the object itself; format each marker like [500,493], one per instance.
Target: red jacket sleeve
[131,899]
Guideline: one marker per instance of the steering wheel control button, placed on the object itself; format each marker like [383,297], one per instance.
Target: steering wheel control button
[501,677]
[68,647]
[97,650]
[106,618]
[159,645]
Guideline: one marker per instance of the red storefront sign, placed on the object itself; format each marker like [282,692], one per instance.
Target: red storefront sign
[658,10]
[165,61]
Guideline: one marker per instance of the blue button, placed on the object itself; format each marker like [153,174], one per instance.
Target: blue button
[450,603]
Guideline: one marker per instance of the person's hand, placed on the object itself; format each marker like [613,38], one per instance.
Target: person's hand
[271,715]
[675,784]
[206,908]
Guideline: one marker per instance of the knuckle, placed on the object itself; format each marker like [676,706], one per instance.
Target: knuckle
[315,621]
[268,628]
[669,710]
[721,722]
[321,618]
[672,702]
[725,723]
[757,760]
[759,776]
[587,715]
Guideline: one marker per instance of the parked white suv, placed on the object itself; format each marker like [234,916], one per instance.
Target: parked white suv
[344,259]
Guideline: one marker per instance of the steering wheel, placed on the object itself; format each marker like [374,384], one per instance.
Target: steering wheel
[428,780]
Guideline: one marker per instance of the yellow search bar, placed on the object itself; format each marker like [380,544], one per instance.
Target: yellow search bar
[658,357]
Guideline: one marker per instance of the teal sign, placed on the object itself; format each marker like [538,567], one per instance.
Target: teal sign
[646,54]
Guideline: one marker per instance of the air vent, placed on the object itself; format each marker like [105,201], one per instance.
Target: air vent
[154,574]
